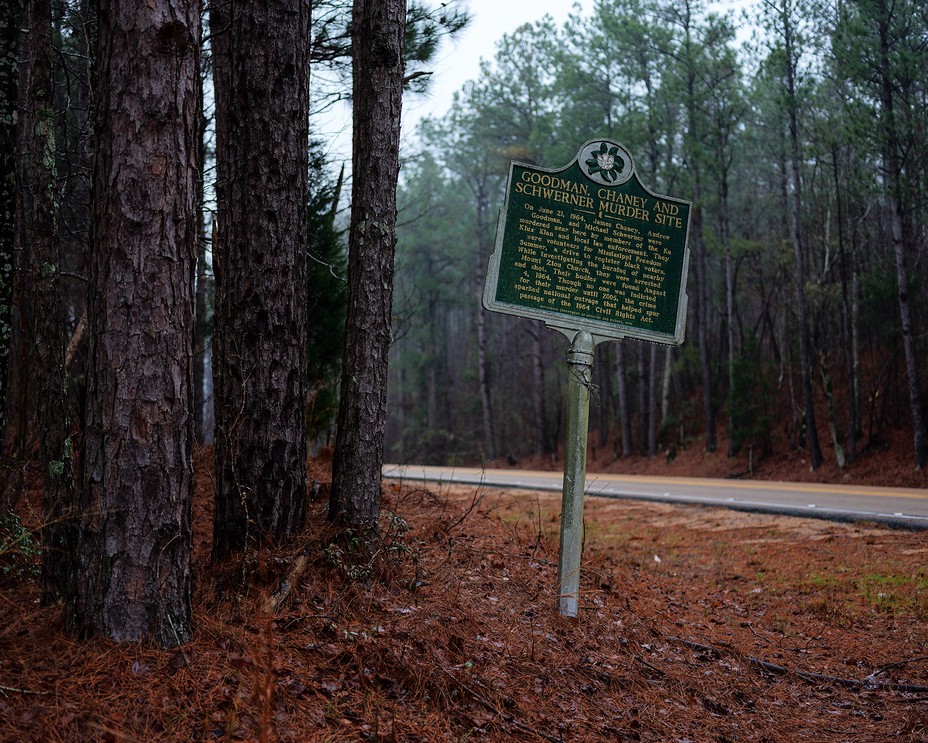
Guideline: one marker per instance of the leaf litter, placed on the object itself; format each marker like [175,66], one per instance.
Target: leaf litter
[748,628]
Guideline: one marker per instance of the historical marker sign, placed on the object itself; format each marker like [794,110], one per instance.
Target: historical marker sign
[589,247]
[596,255]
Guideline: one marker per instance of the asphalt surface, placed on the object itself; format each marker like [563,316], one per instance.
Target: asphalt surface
[897,507]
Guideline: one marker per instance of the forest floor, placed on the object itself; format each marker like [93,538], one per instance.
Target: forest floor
[695,624]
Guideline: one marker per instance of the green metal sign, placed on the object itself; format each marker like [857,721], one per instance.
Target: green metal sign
[589,247]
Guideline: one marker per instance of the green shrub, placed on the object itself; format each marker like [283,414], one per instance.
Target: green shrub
[19,552]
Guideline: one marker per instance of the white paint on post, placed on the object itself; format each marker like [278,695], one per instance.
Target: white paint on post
[579,375]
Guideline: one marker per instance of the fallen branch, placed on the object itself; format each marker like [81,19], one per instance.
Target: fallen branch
[14,690]
[812,677]
[296,571]
[897,664]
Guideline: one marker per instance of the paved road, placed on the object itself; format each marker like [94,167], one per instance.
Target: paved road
[895,506]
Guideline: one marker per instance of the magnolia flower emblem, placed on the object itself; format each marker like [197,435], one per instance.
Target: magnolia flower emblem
[605,164]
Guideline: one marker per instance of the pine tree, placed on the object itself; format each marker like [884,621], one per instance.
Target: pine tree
[377,35]
[134,580]
[261,78]
[10,23]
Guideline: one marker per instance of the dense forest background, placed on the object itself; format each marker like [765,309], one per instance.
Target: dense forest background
[798,131]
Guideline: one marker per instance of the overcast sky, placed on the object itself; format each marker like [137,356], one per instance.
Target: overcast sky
[459,60]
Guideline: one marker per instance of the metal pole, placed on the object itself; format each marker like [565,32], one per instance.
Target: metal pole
[579,377]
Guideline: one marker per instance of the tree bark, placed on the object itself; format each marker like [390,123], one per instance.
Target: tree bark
[377,36]
[137,473]
[48,331]
[10,23]
[19,402]
[261,68]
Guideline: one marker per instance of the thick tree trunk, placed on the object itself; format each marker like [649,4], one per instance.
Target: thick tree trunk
[261,71]
[19,402]
[134,553]
[10,23]
[48,331]
[377,37]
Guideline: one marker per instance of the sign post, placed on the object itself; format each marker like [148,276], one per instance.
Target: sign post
[594,254]
[579,381]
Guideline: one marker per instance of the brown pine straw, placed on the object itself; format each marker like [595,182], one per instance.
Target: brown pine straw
[454,636]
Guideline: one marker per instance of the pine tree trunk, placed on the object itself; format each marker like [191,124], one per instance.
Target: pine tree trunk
[483,364]
[702,320]
[261,70]
[377,38]
[602,369]
[693,134]
[916,406]
[48,331]
[643,397]
[625,424]
[10,23]
[665,382]
[652,400]
[805,352]
[134,579]
[539,414]
[892,170]
[19,400]
[847,319]
[725,229]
